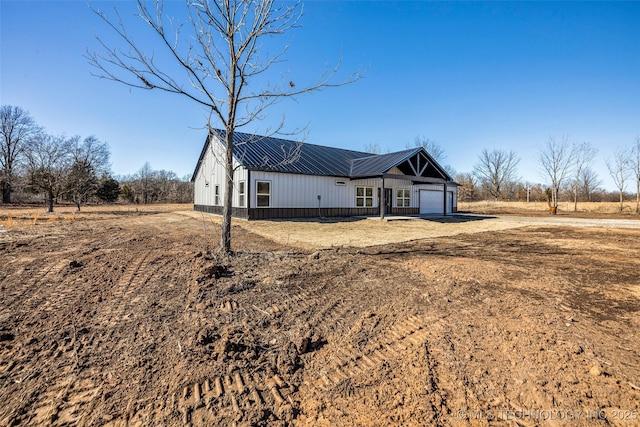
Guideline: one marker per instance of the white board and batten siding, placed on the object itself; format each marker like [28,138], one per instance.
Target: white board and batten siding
[212,173]
[302,191]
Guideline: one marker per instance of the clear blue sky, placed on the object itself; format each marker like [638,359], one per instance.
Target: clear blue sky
[467,75]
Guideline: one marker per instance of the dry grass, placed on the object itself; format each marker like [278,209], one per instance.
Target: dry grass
[25,217]
[329,233]
[492,207]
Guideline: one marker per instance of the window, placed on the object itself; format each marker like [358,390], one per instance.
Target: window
[263,194]
[217,194]
[403,198]
[341,183]
[241,194]
[364,197]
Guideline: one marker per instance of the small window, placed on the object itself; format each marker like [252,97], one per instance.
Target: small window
[364,197]
[241,194]
[263,194]
[403,198]
[217,194]
[341,182]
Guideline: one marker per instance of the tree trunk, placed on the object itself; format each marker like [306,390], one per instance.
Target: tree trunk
[50,195]
[225,237]
[575,199]
[6,193]
[621,201]
[638,197]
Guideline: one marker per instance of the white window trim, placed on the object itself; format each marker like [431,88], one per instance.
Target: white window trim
[242,196]
[403,198]
[263,194]
[364,197]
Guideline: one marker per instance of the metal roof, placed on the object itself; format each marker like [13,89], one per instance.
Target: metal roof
[265,153]
[379,164]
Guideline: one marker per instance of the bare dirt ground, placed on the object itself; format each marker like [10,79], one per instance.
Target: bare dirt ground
[119,318]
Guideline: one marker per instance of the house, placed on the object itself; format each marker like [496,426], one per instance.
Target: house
[278,178]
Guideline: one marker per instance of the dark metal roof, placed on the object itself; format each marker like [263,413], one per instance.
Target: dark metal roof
[379,164]
[264,153]
[281,155]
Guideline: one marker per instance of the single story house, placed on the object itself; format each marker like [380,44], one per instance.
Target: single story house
[279,178]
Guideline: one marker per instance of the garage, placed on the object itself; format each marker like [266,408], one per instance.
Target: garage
[431,202]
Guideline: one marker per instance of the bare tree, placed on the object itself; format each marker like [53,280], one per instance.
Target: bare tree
[467,189]
[589,182]
[48,161]
[556,159]
[373,148]
[583,155]
[220,53]
[433,148]
[144,180]
[495,169]
[619,168]
[17,130]
[635,168]
[89,162]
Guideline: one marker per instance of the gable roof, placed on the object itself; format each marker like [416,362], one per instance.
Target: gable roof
[265,153]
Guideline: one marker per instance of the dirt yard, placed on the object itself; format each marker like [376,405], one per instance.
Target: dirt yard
[119,318]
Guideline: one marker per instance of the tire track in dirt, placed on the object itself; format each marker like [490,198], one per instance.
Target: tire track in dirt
[404,336]
[230,397]
[135,275]
[34,283]
[72,396]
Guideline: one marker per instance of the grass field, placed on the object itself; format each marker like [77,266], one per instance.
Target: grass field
[488,206]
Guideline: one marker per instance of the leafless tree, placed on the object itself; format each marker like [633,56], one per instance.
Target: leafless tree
[433,148]
[619,168]
[556,160]
[220,53]
[635,167]
[373,148]
[467,190]
[17,130]
[589,182]
[48,160]
[89,163]
[495,169]
[144,179]
[583,155]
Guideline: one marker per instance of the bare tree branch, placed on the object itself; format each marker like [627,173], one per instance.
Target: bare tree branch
[619,167]
[495,169]
[555,158]
[219,51]
[583,155]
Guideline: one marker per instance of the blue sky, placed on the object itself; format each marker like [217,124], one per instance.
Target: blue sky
[469,75]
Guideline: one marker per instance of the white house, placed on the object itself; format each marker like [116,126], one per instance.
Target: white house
[278,178]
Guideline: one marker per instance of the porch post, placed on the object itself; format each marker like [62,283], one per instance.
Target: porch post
[382,202]
[444,209]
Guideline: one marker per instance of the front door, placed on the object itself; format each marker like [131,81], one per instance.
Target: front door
[388,195]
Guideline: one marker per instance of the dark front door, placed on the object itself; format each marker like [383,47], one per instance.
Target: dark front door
[388,194]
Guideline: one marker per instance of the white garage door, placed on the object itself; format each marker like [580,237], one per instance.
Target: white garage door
[431,202]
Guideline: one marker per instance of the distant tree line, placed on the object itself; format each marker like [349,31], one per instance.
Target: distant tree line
[155,186]
[36,166]
[567,169]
